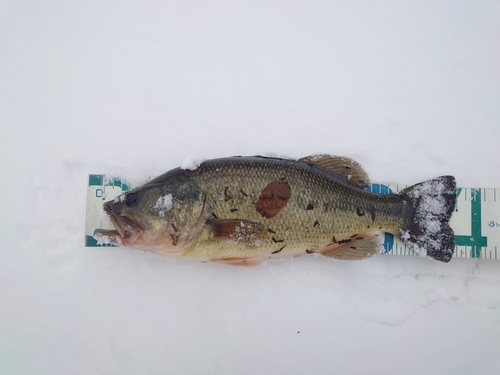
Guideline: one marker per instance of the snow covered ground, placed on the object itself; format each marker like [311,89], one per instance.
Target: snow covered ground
[411,90]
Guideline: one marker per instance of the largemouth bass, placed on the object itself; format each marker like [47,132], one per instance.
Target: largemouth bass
[245,210]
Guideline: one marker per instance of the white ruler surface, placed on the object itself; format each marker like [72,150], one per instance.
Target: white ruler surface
[475,221]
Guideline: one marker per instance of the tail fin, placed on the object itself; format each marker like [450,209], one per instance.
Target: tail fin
[427,230]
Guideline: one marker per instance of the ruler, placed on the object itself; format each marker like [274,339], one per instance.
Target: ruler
[99,190]
[475,221]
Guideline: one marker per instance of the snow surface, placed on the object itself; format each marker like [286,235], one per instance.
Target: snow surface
[408,89]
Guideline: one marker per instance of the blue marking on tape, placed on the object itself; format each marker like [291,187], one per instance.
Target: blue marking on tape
[383,189]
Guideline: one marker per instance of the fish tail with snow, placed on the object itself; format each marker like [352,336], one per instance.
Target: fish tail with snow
[427,229]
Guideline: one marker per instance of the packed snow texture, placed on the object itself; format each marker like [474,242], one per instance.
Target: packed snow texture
[410,90]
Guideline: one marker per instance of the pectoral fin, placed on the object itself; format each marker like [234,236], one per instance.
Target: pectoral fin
[230,227]
[358,248]
[343,166]
[242,233]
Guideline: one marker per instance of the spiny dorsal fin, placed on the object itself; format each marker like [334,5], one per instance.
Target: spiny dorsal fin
[244,233]
[343,166]
[358,248]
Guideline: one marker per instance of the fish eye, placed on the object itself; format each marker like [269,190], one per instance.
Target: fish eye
[132,199]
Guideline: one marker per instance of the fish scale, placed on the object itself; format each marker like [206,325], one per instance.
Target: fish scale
[294,225]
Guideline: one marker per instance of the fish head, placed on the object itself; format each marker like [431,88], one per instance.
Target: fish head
[163,218]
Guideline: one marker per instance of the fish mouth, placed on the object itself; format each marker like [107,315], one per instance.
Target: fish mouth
[127,227]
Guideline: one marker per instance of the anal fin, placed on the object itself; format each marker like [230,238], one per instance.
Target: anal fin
[346,167]
[360,247]
[248,262]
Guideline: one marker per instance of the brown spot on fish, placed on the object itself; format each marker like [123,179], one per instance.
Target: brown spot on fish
[334,240]
[310,251]
[271,231]
[360,212]
[242,192]
[276,241]
[344,241]
[354,235]
[353,247]
[274,198]
[277,251]
[227,194]
[214,215]
[310,206]
[316,223]
[233,209]
[373,213]
[326,207]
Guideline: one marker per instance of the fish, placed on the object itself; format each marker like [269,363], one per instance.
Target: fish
[253,209]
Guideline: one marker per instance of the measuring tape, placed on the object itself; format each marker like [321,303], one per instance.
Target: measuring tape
[475,221]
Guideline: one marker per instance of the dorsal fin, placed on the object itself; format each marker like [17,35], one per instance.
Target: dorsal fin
[346,167]
[361,247]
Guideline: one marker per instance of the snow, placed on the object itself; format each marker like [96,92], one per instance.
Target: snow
[430,211]
[244,236]
[102,239]
[163,204]
[410,90]
[192,162]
